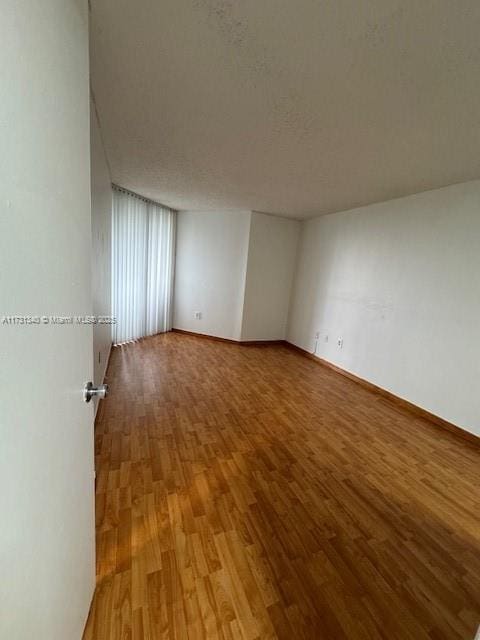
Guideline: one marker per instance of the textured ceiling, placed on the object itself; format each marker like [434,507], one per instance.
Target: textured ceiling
[296,107]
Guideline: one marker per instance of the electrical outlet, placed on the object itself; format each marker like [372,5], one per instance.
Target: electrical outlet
[198,315]
[340,343]
[317,335]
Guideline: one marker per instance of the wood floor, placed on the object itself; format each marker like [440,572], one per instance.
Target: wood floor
[247,492]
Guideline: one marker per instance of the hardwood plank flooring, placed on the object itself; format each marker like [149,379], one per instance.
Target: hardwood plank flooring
[249,493]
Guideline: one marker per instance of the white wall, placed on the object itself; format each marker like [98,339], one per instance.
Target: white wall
[399,282]
[210,269]
[236,269]
[270,268]
[101,247]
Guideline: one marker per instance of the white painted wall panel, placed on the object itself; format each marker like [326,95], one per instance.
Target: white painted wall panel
[399,282]
[271,262]
[210,269]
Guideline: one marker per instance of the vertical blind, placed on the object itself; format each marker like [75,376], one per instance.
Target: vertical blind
[143,241]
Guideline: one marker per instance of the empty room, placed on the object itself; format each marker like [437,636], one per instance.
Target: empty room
[240,320]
